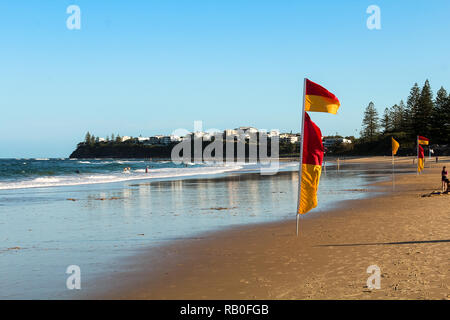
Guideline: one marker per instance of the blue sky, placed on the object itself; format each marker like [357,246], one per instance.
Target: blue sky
[150,67]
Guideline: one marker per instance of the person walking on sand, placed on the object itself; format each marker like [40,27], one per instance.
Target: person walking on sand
[445,181]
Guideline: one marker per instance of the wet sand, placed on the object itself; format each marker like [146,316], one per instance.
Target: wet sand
[405,233]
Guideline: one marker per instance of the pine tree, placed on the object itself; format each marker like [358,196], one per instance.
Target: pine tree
[370,123]
[87,138]
[439,117]
[441,98]
[446,122]
[386,122]
[425,111]
[396,118]
[440,132]
[404,120]
[411,110]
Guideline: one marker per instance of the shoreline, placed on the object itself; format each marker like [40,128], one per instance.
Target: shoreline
[266,261]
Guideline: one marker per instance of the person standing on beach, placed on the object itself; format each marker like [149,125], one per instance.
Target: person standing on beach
[445,181]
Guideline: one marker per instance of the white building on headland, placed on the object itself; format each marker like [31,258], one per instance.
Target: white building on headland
[169,139]
[289,138]
[246,132]
[332,141]
[230,133]
[155,139]
[273,133]
[143,139]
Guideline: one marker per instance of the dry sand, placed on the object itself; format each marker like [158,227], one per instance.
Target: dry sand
[406,233]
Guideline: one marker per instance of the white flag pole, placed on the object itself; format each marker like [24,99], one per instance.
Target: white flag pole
[300,169]
[393,171]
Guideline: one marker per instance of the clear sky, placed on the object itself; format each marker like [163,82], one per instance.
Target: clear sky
[150,67]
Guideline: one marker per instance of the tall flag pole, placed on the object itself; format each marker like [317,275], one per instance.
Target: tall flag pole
[315,99]
[302,134]
[418,171]
[395,146]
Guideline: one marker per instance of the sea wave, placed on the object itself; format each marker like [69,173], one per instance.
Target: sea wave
[138,174]
[135,174]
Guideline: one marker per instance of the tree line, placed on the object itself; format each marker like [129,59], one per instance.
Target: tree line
[421,115]
[90,139]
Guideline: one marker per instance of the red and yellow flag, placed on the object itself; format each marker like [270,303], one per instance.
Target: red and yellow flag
[319,99]
[421,159]
[311,166]
[423,140]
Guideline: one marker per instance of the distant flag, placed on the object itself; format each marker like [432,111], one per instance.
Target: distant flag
[423,140]
[319,99]
[395,146]
[311,165]
[421,159]
[315,99]
[420,154]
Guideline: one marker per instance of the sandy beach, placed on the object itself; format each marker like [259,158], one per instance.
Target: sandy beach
[405,233]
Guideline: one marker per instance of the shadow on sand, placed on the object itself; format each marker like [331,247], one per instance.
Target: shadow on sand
[382,243]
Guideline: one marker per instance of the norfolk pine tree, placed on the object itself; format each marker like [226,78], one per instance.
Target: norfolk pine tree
[370,123]
[425,111]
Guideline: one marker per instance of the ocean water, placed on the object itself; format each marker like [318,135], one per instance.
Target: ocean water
[33,173]
[51,216]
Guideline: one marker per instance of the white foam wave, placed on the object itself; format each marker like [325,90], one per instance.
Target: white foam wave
[47,180]
[136,174]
